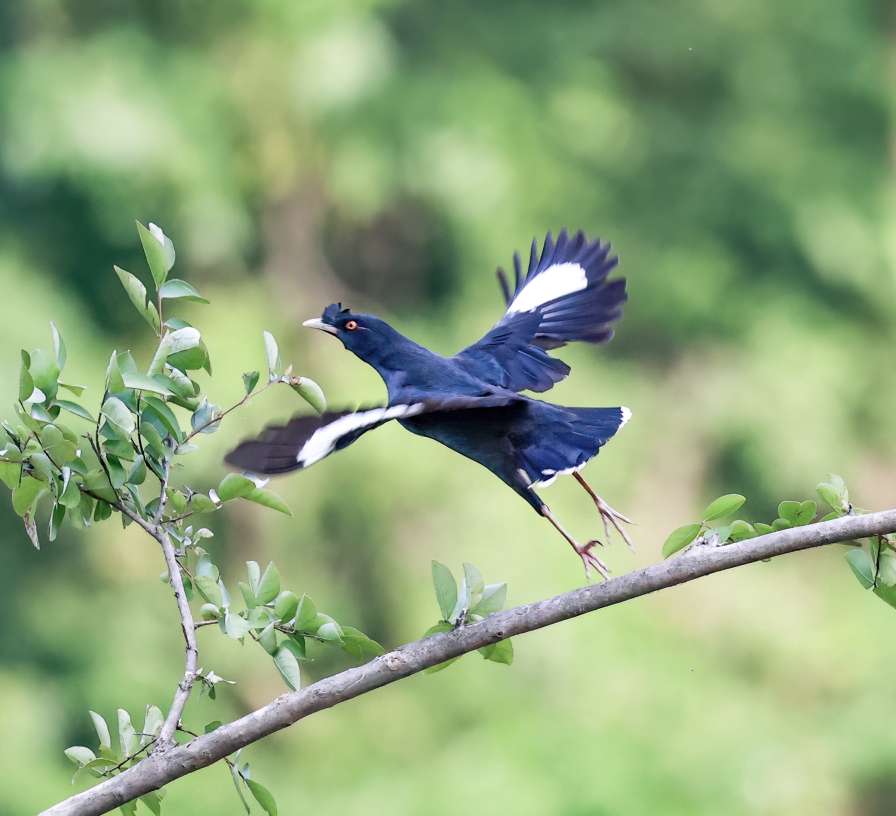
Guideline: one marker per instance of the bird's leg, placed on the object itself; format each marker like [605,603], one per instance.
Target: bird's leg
[589,559]
[607,514]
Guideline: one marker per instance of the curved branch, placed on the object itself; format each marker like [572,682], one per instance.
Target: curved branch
[163,767]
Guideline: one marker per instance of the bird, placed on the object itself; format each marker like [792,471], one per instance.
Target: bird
[472,402]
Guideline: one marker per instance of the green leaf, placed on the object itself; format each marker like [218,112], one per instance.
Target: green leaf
[286,605]
[234,486]
[204,418]
[886,594]
[136,293]
[272,354]
[250,380]
[102,730]
[679,538]
[723,506]
[306,615]
[58,347]
[330,631]
[475,585]
[159,251]
[310,391]
[44,372]
[153,802]
[175,288]
[172,344]
[253,571]
[862,565]
[886,568]
[208,589]
[763,529]
[153,720]
[806,513]
[238,782]
[445,587]
[741,530]
[834,493]
[288,666]
[77,390]
[268,585]
[500,652]
[358,645]
[235,626]
[56,519]
[493,599]
[118,414]
[165,415]
[26,383]
[200,503]
[143,382]
[10,473]
[268,499]
[80,754]
[26,495]
[267,639]
[191,359]
[74,408]
[789,510]
[127,736]
[263,797]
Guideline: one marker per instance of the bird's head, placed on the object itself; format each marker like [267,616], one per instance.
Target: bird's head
[365,335]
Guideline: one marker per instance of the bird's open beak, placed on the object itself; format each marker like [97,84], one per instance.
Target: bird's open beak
[317,323]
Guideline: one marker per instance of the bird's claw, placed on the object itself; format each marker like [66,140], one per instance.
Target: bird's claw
[589,559]
[609,517]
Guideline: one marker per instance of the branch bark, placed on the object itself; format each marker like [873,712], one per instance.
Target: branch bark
[164,766]
[191,659]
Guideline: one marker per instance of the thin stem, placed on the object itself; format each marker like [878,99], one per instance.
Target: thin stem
[219,416]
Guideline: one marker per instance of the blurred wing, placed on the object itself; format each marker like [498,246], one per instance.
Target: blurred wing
[307,439]
[564,297]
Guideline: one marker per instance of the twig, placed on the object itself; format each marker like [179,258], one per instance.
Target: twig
[191,660]
[220,415]
[162,767]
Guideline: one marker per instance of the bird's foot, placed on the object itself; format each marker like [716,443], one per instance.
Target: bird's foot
[589,559]
[611,517]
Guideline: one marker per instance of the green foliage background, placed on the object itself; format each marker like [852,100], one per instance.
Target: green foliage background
[390,154]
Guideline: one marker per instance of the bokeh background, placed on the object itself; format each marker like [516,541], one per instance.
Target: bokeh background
[390,154]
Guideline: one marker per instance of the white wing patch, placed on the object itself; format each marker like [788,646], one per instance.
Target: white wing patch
[322,442]
[555,282]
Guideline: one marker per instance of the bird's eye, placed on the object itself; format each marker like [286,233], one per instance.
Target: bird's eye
[351,325]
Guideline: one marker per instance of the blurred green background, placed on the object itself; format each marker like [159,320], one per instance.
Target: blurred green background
[390,154]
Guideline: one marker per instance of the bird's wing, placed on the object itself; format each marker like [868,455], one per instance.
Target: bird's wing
[307,439]
[563,297]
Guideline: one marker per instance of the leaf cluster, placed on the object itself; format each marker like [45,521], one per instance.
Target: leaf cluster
[470,601]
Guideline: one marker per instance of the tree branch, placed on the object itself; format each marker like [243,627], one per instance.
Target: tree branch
[162,767]
[191,660]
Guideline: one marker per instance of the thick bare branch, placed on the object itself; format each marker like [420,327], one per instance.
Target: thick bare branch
[163,767]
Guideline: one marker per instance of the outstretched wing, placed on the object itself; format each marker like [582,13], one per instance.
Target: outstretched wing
[307,439]
[564,297]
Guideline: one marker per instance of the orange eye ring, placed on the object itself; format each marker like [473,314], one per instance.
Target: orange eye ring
[351,325]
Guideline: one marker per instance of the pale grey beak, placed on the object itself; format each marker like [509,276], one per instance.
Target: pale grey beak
[317,323]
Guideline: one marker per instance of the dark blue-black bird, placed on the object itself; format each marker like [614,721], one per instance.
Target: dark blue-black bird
[471,402]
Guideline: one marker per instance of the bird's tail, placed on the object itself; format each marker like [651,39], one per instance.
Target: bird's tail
[568,439]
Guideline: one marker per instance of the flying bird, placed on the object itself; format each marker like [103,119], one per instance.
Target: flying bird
[471,402]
